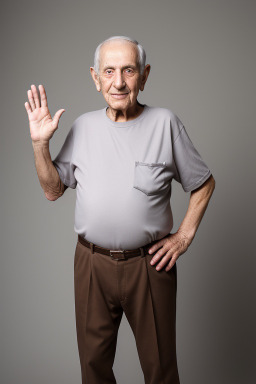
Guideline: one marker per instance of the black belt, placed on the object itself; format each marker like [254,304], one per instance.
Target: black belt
[120,254]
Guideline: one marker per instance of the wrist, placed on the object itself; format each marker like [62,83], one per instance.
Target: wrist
[38,144]
[187,235]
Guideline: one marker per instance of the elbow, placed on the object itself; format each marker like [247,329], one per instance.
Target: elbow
[51,197]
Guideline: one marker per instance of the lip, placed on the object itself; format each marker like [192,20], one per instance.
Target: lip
[119,96]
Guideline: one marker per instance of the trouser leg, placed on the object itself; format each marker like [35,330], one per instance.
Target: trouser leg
[150,307]
[98,315]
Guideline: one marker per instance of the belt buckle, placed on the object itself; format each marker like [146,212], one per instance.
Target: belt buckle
[114,254]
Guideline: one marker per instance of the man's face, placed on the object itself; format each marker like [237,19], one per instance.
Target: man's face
[119,74]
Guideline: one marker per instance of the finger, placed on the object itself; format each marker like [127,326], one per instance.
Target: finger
[167,246]
[158,255]
[42,95]
[55,120]
[172,262]
[31,100]
[164,261]
[156,246]
[28,109]
[35,95]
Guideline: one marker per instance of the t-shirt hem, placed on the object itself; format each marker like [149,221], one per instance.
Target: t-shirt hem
[197,183]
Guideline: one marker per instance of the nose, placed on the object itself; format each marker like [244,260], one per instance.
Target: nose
[119,80]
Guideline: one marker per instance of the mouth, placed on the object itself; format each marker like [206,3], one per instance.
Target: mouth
[119,95]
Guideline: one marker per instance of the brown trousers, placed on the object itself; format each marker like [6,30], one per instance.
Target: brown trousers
[104,288]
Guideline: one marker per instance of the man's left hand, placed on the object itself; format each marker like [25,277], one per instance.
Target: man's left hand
[171,248]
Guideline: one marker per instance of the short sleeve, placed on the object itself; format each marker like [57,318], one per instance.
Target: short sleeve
[192,171]
[63,162]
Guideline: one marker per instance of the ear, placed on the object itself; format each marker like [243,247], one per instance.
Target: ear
[95,79]
[144,76]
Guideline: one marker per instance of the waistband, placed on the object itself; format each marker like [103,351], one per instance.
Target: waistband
[120,254]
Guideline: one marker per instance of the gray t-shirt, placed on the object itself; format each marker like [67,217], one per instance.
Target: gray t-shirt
[122,172]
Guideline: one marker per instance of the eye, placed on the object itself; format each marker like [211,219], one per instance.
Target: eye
[129,70]
[108,71]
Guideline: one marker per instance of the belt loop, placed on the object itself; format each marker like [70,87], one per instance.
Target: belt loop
[92,247]
[142,253]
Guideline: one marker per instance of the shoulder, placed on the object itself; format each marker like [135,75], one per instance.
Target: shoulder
[87,117]
[161,111]
[86,120]
[168,117]
[164,113]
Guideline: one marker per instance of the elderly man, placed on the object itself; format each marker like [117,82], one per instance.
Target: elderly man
[121,159]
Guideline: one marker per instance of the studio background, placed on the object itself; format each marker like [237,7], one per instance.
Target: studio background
[202,55]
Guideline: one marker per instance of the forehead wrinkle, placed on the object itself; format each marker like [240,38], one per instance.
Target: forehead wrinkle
[109,57]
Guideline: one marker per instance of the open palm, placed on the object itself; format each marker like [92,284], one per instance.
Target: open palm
[41,124]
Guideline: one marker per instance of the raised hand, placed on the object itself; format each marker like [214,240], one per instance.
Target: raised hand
[41,124]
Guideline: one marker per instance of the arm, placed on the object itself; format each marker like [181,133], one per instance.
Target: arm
[176,244]
[42,128]
[47,173]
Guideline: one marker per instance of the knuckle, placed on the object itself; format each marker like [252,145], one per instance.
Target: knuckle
[161,252]
[168,244]
[169,255]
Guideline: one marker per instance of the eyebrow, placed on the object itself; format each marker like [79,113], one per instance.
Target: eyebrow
[125,67]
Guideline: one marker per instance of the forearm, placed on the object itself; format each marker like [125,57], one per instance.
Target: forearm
[47,173]
[198,203]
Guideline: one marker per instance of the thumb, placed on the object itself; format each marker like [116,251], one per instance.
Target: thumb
[55,120]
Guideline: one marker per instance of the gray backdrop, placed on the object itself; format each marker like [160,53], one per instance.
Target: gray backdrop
[203,68]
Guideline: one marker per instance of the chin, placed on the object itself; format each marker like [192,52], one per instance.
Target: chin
[119,104]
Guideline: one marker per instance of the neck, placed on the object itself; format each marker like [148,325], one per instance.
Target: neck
[125,115]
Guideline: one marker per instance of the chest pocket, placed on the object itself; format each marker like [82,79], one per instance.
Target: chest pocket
[150,178]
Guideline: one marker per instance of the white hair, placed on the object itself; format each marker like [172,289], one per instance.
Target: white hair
[140,49]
